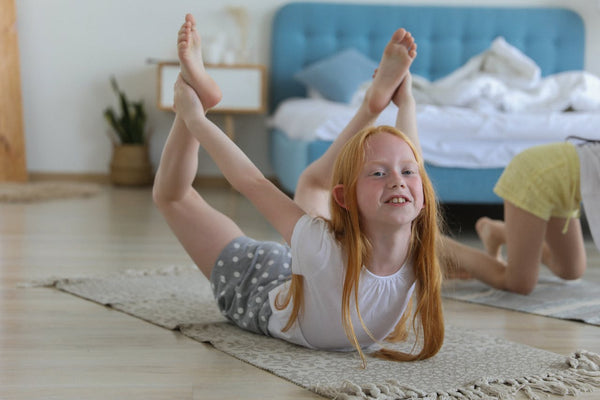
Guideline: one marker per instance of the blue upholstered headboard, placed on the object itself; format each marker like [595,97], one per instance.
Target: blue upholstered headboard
[446,36]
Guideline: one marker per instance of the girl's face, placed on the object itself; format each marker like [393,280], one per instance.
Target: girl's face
[389,187]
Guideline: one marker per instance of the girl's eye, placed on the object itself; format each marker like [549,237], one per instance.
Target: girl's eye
[409,172]
[377,173]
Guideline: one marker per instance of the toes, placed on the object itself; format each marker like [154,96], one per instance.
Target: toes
[399,35]
[408,40]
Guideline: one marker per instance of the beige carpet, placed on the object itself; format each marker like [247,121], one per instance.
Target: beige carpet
[469,366]
[576,300]
[13,192]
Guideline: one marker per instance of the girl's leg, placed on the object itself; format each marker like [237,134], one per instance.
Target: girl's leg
[397,57]
[462,261]
[525,239]
[525,234]
[202,230]
[529,241]
[189,51]
[564,253]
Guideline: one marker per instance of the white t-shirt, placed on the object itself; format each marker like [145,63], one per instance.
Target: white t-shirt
[317,256]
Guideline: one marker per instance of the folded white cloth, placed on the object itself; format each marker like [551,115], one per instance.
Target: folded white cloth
[505,79]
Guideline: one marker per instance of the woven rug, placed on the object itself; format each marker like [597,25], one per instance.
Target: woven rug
[469,366]
[577,300]
[13,192]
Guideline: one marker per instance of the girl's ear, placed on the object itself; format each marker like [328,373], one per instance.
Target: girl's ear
[338,195]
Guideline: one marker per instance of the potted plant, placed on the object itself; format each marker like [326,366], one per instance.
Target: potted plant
[130,163]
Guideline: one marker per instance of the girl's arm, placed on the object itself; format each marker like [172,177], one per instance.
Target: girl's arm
[240,172]
[406,118]
[313,189]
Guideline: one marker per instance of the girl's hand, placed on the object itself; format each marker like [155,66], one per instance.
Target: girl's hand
[186,101]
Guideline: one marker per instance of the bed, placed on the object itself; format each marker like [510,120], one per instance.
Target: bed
[448,37]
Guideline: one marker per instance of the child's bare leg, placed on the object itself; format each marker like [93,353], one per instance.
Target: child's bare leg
[525,237]
[564,253]
[492,234]
[202,230]
[189,50]
[393,67]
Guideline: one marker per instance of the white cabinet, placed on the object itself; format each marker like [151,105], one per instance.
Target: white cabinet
[243,87]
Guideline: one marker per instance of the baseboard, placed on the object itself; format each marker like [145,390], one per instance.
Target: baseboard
[70,177]
[212,181]
[217,181]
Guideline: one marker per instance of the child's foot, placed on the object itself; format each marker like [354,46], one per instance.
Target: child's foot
[491,233]
[189,50]
[397,57]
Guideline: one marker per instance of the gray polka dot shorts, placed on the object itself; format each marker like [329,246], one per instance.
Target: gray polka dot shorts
[243,276]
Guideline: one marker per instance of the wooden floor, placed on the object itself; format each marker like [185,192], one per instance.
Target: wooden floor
[57,346]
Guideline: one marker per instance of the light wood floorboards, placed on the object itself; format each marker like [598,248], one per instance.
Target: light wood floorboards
[56,346]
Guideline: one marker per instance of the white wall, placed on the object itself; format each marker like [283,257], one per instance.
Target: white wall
[70,48]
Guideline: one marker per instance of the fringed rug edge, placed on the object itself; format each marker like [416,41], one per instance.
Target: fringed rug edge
[581,375]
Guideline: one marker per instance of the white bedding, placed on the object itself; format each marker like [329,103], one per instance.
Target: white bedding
[505,79]
[480,116]
[450,136]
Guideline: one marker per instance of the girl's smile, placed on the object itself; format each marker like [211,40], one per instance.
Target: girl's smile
[397,200]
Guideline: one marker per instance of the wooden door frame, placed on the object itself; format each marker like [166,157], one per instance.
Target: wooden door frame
[12,139]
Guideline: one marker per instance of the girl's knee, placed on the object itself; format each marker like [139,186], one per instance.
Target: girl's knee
[569,268]
[520,287]
[571,274]
[521,279]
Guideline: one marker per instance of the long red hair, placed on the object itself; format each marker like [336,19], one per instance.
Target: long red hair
[428,321]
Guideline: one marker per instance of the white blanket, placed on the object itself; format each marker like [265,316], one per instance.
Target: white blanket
[450,136]
[505,79]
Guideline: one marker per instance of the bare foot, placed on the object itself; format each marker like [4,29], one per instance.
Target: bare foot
[189,50]
[491,233]
[397,57]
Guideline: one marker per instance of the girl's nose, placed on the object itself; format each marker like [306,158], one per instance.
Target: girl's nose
[397,181]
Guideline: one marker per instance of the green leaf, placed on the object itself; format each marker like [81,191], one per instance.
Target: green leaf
[130,124]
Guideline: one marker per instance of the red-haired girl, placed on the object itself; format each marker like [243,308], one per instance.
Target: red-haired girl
[361,232]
